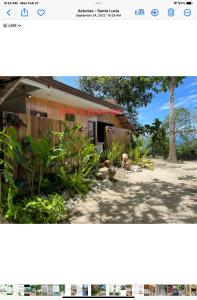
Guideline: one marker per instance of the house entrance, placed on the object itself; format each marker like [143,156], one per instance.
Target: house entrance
[101,132]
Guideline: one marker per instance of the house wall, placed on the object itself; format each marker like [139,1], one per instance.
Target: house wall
[54,110]
[109,118]
[57,111]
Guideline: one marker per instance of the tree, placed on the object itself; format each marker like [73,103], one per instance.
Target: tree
[169,84]
[158,138]
[130,92]
[183,123]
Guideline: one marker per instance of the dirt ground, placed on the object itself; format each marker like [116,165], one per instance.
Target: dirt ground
[168,194]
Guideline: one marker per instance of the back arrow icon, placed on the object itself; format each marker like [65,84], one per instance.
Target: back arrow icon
[8,13]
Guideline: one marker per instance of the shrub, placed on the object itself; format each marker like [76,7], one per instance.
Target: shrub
[41,210]
[187,150]
[115,153]
[158,139]
[35,161]
[138,153]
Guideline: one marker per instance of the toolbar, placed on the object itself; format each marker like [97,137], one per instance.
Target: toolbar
[98,10]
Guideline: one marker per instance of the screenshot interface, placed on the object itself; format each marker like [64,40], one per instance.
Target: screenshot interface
[98,149]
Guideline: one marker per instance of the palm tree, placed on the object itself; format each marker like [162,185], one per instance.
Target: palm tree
[170,83]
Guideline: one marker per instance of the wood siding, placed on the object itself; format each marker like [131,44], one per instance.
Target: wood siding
[123,136]
[38,127]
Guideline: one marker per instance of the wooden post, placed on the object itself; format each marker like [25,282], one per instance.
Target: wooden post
[10,90]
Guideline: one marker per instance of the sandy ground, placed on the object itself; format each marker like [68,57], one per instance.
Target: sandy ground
[168,194]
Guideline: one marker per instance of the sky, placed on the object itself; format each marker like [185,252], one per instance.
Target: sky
[185,96]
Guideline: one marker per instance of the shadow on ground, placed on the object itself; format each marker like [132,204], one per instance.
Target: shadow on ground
[148,202]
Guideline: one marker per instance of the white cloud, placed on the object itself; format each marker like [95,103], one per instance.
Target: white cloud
[181,101]
[192,84]
[185,101]
[164,106]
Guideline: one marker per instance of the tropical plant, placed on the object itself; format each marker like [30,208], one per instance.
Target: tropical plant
[41,210]
[9,153]
[79,160]
[115,152]
[35,160]
[138,152]
[158,140]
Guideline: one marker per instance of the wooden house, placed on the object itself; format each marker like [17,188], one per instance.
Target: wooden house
[40,104]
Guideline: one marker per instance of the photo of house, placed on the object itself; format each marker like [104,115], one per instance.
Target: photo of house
[42,102]
[149,290]
[79,145]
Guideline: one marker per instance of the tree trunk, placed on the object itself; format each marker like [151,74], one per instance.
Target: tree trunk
[172,135]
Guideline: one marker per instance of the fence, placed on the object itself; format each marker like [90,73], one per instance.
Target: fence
[123,136]
[29,125]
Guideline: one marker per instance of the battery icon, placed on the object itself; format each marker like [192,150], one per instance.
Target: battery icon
[189,3]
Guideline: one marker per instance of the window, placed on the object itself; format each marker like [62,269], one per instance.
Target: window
[38,114]
[70,117]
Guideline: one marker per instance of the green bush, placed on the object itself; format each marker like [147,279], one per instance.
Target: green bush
[115,153]
[158,139]
[70,165]
[76,160]
[41,210]
[187,150]
[138,153]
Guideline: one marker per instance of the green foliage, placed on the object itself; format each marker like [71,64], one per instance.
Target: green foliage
[187,150]
[10,150]
[74,183]
[35,160]
[115,153]
[158,143]
[185,129]
[79,160]
[131,92]
[138,153]
[70,164]
[41,210]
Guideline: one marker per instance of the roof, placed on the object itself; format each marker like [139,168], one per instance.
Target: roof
[50,82]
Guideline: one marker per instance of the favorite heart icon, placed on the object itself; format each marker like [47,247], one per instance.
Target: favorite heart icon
[41,12]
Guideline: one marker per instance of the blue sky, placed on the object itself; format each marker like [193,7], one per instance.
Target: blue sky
[185,96]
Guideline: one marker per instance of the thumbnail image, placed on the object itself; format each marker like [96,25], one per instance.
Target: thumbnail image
[38,290]
[128,124]
[128,290]
[161,290]
[20,289]
[117,290]
[137,290]
[44,290]
[29,290]
[175,290]
[79,290]
[149,290]
[191,290]
[98,290]
[6,290]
